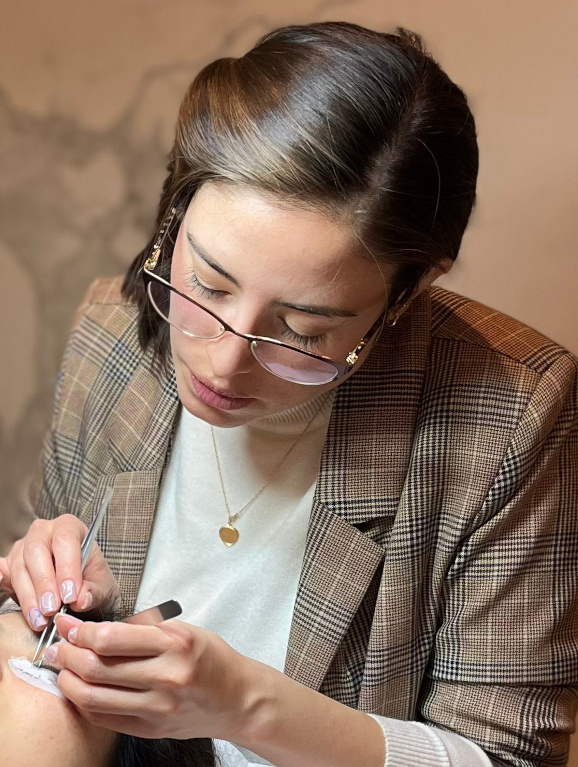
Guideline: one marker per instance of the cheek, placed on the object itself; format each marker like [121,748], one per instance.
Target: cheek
[29,720]
[38,728]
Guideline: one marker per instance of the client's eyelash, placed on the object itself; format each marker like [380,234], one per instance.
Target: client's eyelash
[47,666]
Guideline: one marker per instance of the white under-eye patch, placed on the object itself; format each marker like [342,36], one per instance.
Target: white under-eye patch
[43,678]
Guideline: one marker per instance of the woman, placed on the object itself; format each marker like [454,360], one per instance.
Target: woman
[361,489]
[34,723]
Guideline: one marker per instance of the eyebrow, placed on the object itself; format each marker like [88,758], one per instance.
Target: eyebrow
[323,311]
[208,260]
[30,637]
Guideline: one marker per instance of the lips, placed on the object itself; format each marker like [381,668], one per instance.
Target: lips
[223,400]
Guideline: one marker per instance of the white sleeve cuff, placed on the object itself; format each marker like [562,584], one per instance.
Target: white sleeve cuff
[414,744]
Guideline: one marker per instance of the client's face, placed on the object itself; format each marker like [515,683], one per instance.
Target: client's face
[35,726]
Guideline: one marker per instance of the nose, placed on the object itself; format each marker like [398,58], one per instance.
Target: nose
[230,356]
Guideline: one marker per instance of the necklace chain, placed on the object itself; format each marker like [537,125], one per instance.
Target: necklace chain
[229,534]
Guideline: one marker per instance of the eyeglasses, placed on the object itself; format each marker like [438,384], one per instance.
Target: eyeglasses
[195,320]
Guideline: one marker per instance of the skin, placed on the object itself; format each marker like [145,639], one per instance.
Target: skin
[36,727]
[176,680]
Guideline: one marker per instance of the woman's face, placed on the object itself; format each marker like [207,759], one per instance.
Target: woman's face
[288,274]
[35,726]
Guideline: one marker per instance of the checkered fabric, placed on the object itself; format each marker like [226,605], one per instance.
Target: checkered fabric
[439,582]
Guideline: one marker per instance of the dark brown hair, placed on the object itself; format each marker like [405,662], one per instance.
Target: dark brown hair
[359,124]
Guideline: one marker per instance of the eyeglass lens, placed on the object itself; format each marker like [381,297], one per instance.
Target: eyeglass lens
[290,364]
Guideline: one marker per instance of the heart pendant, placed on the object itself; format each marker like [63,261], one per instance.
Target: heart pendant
[229,535]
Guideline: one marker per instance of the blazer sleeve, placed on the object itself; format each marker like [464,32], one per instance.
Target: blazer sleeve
[504,672]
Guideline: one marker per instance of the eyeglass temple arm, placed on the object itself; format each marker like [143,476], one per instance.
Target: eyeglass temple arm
[152,260]
[353,356]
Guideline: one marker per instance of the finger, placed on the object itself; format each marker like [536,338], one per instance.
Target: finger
[37,557]
[5,580]
[134,674]
[25,594]
[114,639]
[99,586]
[67,540]
[100,699]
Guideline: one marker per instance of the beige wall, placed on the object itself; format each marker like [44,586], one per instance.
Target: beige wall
[88,97]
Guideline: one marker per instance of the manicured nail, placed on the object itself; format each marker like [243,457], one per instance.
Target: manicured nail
[48,602]
[87,601]
[68,591]
[51,653]
[36,619]
[72,635]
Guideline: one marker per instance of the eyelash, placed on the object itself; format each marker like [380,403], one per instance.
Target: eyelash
[307,342]
[202,290]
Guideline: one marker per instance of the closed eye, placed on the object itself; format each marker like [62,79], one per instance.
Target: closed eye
[307,342]
[202,290]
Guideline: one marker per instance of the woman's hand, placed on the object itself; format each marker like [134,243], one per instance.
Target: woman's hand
[43,571]
[172,680]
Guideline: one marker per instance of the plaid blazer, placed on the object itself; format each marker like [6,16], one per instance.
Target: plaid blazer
[439,582]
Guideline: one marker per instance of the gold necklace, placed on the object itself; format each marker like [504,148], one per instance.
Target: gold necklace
[229,533]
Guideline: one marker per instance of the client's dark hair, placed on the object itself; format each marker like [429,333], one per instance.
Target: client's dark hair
[130,751]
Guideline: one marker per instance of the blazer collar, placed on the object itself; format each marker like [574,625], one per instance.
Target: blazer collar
[370,437]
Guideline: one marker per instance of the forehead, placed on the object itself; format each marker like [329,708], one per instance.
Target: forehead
[246,229]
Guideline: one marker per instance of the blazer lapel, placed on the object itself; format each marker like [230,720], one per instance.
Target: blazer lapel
[363,470]
[139,437]
[338,566]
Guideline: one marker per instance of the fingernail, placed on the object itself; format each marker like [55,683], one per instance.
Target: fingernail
[51,653]
[87,601]
[36,619]
[68,591]
[72,635]
[48,602]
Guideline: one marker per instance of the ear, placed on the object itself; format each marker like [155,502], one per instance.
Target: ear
[428,279]
[425,282]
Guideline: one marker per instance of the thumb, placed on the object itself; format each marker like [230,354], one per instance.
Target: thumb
[99,587]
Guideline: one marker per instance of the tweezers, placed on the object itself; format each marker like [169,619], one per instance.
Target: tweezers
[87,544]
